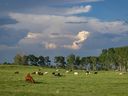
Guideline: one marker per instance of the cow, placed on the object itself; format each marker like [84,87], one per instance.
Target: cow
[29,78]
[16,72]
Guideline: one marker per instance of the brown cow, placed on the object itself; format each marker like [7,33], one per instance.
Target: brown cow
[29,78]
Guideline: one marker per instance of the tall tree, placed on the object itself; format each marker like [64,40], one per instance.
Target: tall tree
[21,59]
[25,60]
[18,59]
[104,59]
[83,62]
[121,57]
[70,61]
[60,61]
[93,62]
[77,62]
[33,60]
[47,61]
[41,61]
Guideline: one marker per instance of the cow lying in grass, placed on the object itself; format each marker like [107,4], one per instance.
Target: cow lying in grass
[75,73]
[29,78]
[87,73]
[57,74]
[95,72]
[16,72]
[68,71]
[37,73]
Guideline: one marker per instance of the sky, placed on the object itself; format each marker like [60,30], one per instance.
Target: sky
[61,27]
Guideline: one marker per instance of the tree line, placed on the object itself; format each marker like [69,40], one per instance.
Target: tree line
[109,59]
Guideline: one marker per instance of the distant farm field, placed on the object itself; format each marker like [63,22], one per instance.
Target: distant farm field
[105,83]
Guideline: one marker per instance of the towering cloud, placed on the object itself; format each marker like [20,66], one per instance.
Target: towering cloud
[79,39]
[82,36]
[51,31]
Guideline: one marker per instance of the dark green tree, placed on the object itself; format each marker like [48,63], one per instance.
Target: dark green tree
[104,59]
[70,61]
[33,60]
[60,61]
[93,62]
[47,61]
[83,62]
[41,61]
[77,62]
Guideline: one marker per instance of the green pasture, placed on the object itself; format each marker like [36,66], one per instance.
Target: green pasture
[105,83]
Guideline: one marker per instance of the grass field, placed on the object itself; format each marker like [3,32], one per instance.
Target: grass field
[101,84]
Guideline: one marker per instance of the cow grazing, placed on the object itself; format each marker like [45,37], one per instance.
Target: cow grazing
[45,73]
[40,73]
[121,73]
[56,74]
[75,73]
[36,72]
[57,70]
[29,78]
[33,72]
[53,73]
[17,72]
[96,72]
[67,71]
[87,73]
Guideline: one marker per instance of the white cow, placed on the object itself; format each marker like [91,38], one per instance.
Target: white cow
[75,73]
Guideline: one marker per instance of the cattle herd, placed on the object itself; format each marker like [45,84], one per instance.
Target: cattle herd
[56,73]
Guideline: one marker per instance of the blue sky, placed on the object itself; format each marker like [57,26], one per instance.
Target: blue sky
[61,27]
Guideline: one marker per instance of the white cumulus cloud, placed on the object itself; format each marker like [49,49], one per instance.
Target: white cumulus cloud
[79,39]
[78,10]
[53,30]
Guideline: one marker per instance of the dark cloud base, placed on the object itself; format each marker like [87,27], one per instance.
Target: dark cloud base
[7,20]
[11,37]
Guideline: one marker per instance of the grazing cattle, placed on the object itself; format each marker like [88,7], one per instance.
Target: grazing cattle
[57,74]
[57,70]
[87,73]
[17,72]
[29,78]
[96,72]
[67,71]
[45,73]
[75,73]
[53,73]
[37,72]
[40,73]
[120,73]
[33,72]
